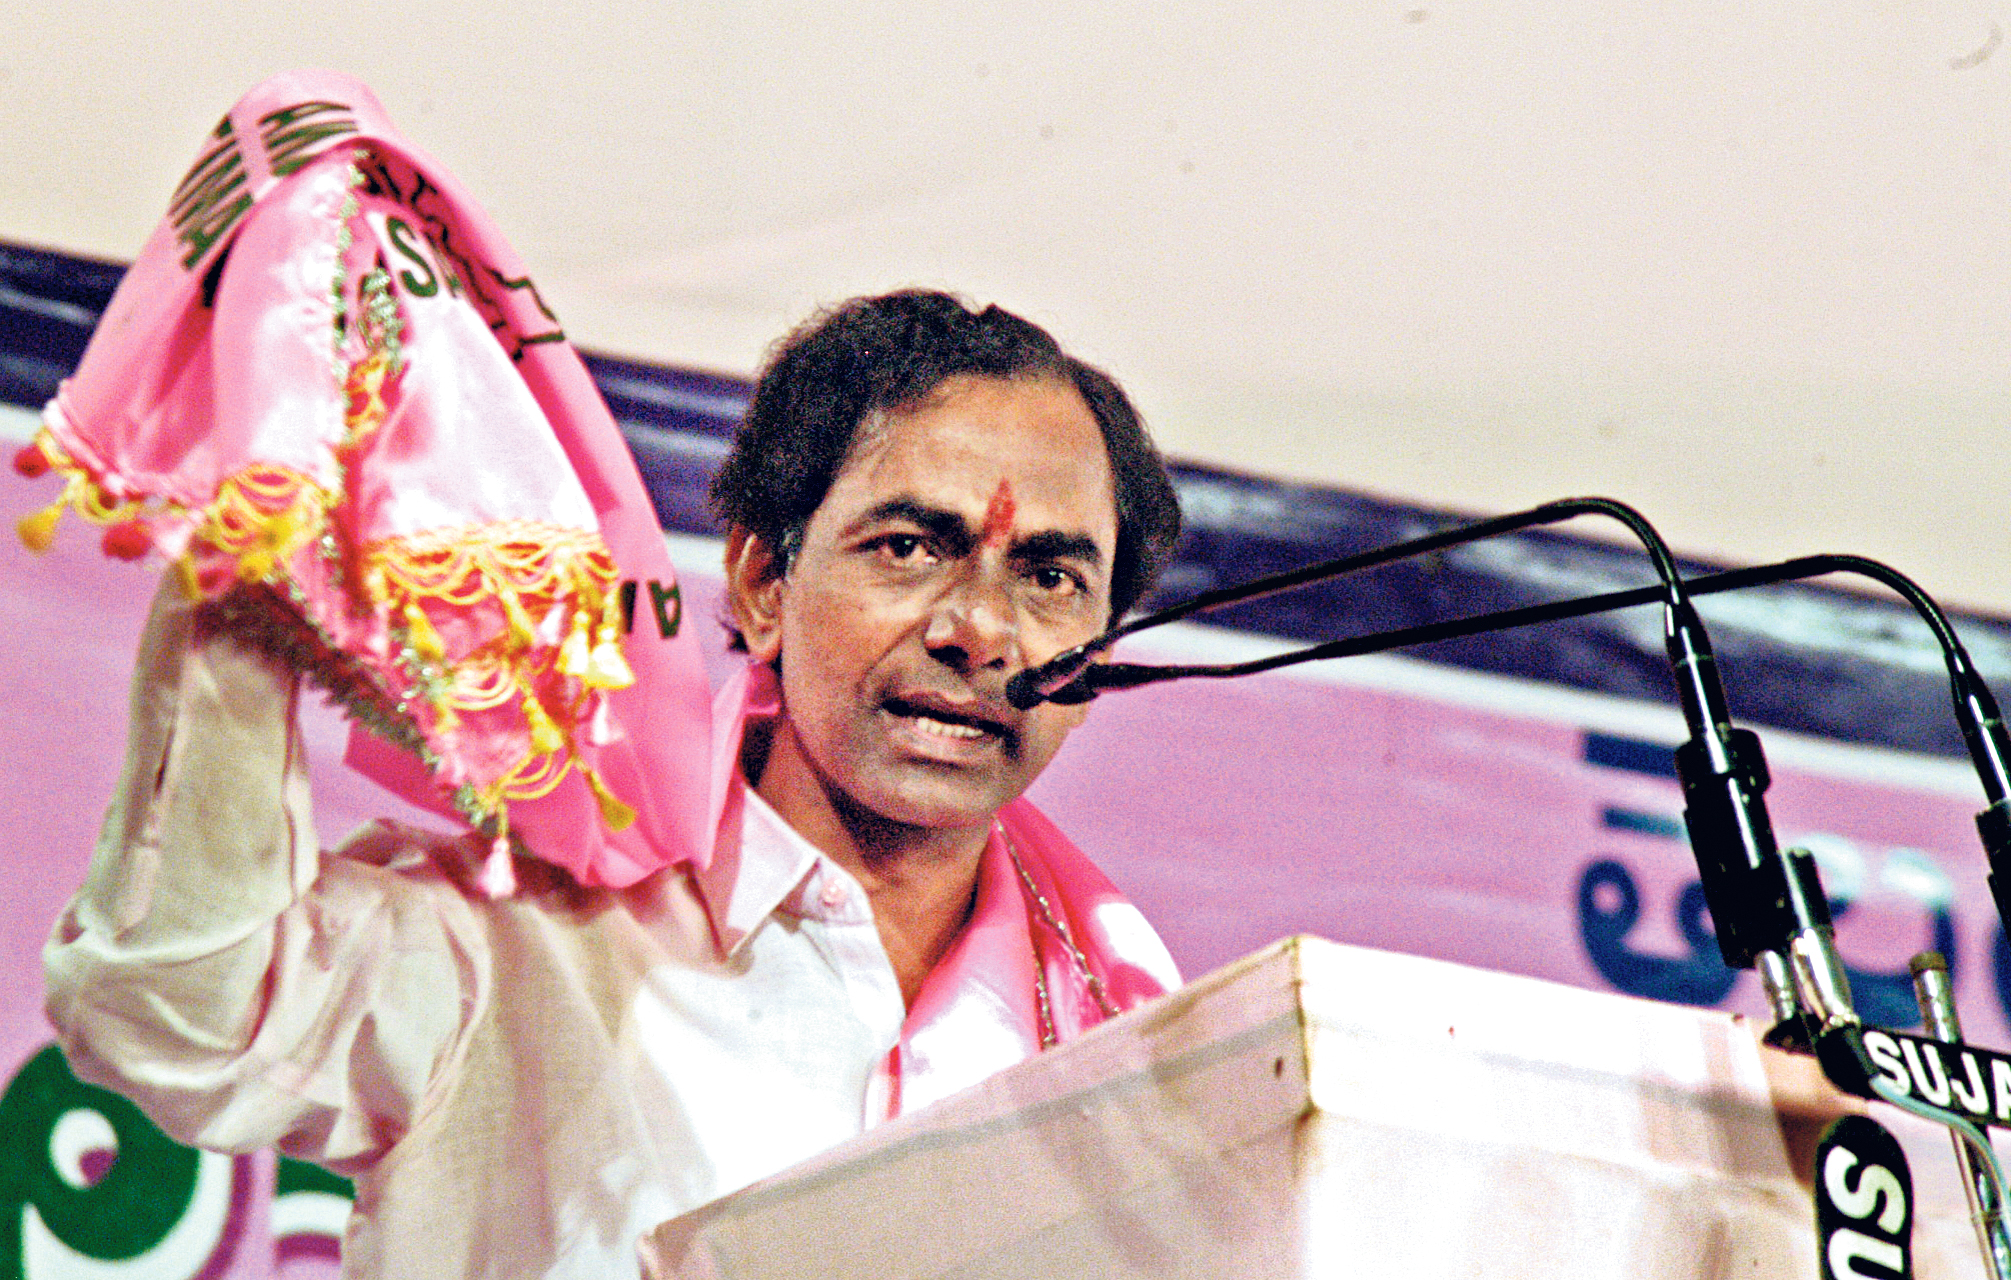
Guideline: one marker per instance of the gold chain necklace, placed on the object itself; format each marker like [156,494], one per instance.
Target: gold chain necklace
[1055,926]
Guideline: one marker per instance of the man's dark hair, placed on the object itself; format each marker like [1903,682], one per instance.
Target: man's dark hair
[889,354]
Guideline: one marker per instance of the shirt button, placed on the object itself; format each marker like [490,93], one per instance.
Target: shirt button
[832,895]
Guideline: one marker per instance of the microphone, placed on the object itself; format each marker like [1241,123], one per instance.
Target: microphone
[1088,680]
[1052,681]
[1976,708]
[1722,768]
[1768,908]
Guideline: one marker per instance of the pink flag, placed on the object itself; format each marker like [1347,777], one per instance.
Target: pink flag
[328,393]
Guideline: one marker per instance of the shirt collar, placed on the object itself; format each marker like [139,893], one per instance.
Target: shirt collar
[984,982]
[751,876]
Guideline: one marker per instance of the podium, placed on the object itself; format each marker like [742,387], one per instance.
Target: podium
[1320,1110]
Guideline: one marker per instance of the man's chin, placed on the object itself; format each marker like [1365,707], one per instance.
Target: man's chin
[936,803]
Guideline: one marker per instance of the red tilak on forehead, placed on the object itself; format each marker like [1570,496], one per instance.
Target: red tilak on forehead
[999,514]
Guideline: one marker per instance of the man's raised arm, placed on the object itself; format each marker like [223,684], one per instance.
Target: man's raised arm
[214,967]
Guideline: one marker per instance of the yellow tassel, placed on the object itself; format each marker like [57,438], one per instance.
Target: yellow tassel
[545,736]
[185,573]
[282,531]
[373,583]
[613,812]
[445,720]
[39,530]
[276,540]
[522,634]
[575,655]
[254,565]
[419,632]
[609,669]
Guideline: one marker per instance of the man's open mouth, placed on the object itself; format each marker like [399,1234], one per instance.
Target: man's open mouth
[941,722]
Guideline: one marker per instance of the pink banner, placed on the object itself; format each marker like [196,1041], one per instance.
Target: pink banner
[1384,803]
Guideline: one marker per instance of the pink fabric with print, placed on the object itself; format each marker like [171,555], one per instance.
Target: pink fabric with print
[327,374]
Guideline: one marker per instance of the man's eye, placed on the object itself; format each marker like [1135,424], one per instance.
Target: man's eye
[1056,581]
[903,548]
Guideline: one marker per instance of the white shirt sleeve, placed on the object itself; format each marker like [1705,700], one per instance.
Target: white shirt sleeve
[218,970]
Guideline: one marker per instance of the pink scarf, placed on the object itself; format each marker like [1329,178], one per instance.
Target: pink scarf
[328,378]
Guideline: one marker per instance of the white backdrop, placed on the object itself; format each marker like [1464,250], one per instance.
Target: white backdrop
[1743,265]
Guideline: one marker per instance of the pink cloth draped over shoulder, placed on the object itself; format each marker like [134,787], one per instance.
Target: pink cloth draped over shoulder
[328,378]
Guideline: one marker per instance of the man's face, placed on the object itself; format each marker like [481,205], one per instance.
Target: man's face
[961,542]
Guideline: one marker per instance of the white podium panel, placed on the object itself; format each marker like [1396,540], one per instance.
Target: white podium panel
[1318,1110]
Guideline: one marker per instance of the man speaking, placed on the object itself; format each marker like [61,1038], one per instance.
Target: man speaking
[525,1054]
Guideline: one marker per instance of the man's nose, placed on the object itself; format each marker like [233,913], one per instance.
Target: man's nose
[975,622]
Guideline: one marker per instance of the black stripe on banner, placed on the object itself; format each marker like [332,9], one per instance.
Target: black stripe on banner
[1631,754]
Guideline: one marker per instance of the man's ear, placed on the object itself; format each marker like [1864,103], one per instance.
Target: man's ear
[754,590]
